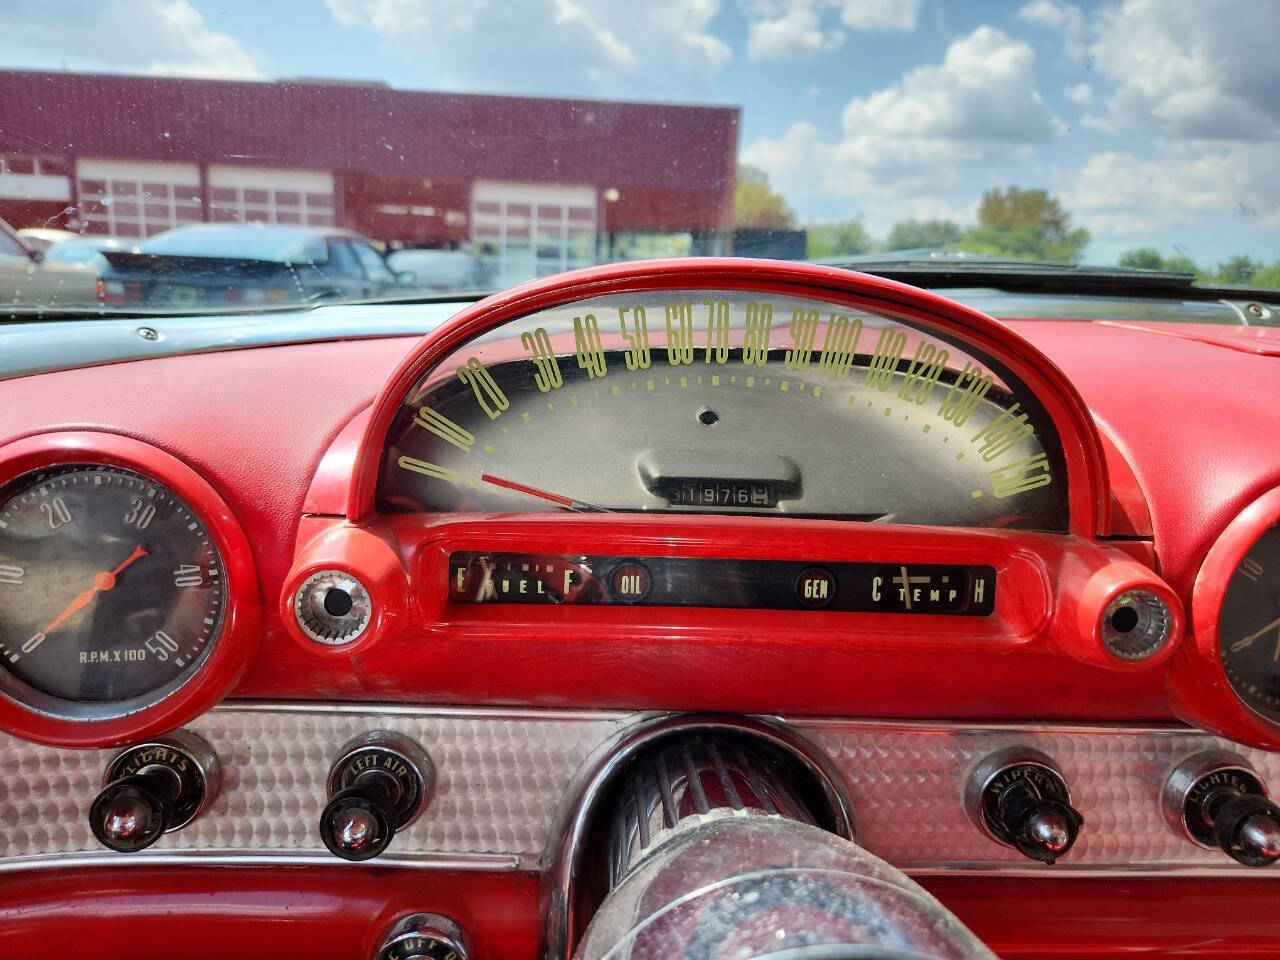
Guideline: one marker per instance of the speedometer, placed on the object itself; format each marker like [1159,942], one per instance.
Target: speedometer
[727,402]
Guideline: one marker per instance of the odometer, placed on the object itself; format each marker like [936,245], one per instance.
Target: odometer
[111,588]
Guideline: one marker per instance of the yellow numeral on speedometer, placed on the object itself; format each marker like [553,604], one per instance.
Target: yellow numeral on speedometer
[755,338]
[488,394]
[586,335]
[432,470]
[884,362]
[717,330]
[840,346]
[804,327]
[637,355]
[544,358]
[445,429]
[679,333]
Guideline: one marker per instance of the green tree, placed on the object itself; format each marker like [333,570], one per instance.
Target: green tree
[1024,225]
[1268,277]
[757,204]
[1183,264]
[1240,269]
[922,234]
[1142,258]
[827,240]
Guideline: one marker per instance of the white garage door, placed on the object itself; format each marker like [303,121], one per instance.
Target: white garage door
[125,198]
[268,195]
[525,230]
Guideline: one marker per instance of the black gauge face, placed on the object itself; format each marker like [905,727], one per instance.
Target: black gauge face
[707,401]
[110,586]
[1249,627]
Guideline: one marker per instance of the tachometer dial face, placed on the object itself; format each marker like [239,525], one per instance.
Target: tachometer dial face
[110,587]
[1249,627]
[711,401]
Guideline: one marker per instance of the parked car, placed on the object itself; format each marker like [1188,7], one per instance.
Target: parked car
[440,270]
[86,251]
[39,239]
[211,265]
[25,281]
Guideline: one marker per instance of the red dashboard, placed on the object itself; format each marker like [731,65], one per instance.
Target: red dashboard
[915,536]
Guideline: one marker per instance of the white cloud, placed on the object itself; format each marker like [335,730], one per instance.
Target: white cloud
[794,34]
[1064,17]
[1125,195]
[204,52]
[902,145]
[163,37]
[610,47]
[662,48]
[806,29]
[879,14]
[1080,93]
[1203,70]
[984,90]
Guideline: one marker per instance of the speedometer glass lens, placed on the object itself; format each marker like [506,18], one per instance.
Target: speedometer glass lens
[110,587]
[1249,627]
[706,401]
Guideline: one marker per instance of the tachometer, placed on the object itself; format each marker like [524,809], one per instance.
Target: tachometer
[111,587]
[724,401]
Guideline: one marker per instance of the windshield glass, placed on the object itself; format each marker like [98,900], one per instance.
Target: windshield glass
[199,156]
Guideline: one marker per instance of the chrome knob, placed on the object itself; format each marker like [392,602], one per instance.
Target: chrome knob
[1259,837]
[1217,800]
[380,783]
[423,936]
[1020,798]
[1049,831]
[153,788]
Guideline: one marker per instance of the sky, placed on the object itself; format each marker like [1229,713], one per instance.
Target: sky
[1156,122]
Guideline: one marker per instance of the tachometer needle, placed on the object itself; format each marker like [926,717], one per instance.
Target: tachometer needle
[106,580]
[559,501]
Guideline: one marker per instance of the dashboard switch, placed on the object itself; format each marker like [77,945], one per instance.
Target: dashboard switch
[380,783]
[1019,797]
[153,788]
[1217,800]
[423,936]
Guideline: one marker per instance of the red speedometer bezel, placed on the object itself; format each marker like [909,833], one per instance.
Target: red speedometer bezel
[231,651]
[1088,499]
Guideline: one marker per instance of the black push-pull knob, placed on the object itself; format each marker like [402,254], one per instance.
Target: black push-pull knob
[379,784]
[1020,798]
[1218,800]
[151,789]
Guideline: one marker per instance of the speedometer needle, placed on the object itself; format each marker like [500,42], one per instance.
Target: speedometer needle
[106,580]
[555,498]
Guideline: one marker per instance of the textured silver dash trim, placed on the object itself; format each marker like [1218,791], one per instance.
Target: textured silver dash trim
[502,774]
[477,862]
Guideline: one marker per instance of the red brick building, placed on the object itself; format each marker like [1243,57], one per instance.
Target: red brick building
[533,185]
